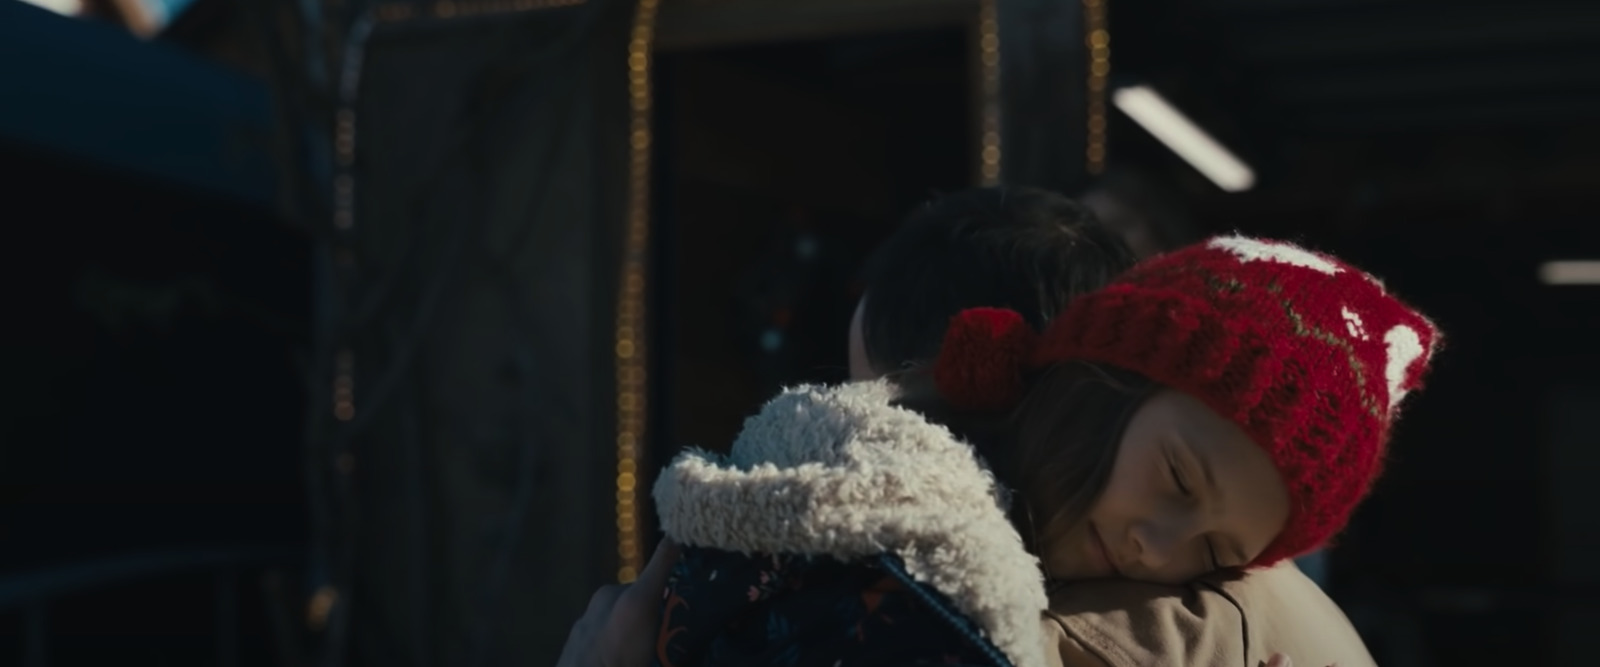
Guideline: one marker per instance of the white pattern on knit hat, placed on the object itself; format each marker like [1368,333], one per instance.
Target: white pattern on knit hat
[1253,250]
[1405,346]
[1353,323]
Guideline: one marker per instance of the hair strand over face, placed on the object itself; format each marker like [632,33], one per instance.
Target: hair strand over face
[1055,451]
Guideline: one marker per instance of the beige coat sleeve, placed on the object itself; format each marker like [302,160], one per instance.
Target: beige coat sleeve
[1223,622]
[1129,624]
[1065,651]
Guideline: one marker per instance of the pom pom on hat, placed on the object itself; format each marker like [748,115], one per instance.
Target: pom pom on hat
[981,362]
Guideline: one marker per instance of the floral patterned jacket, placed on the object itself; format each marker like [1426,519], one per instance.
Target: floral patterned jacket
[842,530]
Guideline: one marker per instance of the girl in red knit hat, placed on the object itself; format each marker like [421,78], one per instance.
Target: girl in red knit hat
[1224,406]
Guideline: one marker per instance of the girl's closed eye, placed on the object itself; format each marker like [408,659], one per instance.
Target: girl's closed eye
[1177,478]
[1183,488]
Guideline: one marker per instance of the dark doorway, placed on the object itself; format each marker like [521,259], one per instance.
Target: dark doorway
[779,167]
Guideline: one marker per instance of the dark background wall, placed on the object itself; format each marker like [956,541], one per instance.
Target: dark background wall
[782,166]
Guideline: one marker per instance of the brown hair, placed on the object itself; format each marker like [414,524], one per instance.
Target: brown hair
[1054,452]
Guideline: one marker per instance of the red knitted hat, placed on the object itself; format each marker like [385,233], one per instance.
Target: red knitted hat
[1310,356]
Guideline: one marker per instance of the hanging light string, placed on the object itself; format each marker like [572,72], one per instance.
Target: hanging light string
[323,611]
[989,92]
[630,344]
[1098,40]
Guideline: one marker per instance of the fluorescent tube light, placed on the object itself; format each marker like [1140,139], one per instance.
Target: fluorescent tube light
[62,7]
[1151,111]
[1571,272]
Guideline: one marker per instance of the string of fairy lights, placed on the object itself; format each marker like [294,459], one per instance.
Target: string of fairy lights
[989,92]
[1098,40]
[630,350]
[322,602]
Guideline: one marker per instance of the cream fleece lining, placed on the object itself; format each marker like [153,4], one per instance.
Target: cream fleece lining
[839,471]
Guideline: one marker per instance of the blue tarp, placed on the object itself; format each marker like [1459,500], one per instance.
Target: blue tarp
[93,92]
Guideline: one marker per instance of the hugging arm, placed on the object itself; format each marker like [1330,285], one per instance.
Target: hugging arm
[619,627]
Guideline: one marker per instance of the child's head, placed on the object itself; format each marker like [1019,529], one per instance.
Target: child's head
[1225,405]
[1024,249]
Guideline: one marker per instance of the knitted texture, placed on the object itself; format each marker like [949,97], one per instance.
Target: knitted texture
[978,363]
[1309,355]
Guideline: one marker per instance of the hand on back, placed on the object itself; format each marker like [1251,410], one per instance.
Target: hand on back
[619,627]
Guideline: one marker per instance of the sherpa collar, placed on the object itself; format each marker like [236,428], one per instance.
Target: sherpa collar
[840,471]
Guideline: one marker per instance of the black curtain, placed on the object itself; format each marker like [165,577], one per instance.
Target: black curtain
[479,286]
